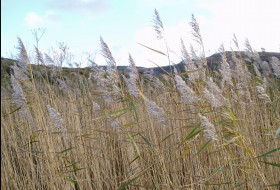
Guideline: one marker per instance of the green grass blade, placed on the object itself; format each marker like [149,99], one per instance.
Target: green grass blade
[269,152]
[193,133]
[272,164]
[204,146]
[66,150]
[126,184]
[157,51]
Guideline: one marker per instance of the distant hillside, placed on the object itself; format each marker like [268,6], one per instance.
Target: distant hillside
[213,62]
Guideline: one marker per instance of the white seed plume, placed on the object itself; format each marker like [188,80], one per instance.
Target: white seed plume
[190,67]
[208,128]
[20,100]
[56,119]
[18,95]
[19,74]
[156,111]
[226,74]
[275,64]
[188,96]
[225,68]
[133,71]
[240,73]
[95,106]
[153,80]
[132,86]
[216,91]
[113,122]
[105,51]
[62,85]
[214,102]
[261,94]
[23,59]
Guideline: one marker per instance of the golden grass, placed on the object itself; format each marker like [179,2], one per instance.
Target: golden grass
[141,154]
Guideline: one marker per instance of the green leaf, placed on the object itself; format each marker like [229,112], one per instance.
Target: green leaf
[161,68]
[66,150]
[275,185]
[146,140]
[185,152]
[204,146]
[272,164]
[166,137]
[72,164]
[126,184]
[193,133]
[269,152]
[71,179]
[74,170]
[157,51]
[18,108]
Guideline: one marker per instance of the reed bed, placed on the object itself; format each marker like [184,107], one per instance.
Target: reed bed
[196,129]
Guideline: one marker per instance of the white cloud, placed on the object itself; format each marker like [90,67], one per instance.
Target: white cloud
[86,7]
[32,19]
[256,20]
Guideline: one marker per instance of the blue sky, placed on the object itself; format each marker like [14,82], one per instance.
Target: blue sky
[125,23]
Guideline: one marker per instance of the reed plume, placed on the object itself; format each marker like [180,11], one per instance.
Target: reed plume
[188,96]
[208,129]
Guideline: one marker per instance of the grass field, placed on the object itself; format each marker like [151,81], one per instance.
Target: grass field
[196,129]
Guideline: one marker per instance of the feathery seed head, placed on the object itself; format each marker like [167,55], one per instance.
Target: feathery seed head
[208,128]
[188,96]
[56,119]
[113,122]
[215,102]
[132,86]
[105,51]
[18,95]
[158,26]
[156,111]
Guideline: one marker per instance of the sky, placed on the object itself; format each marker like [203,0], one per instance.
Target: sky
[125,24]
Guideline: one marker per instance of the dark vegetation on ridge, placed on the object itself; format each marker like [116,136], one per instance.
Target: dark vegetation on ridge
[213,63]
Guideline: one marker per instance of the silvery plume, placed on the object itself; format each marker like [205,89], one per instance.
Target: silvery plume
[57,120]
[113,122]
[106,53]
[214,102]
[23,59]
[62,85]
[208,129]
[19,74]
[262,94]
[190,66]
[153,80]
[275,64]
[213,89]
[132,86]
[156,112]
[96,107]
[225,68]
[188,96]
[240,72]
[133,71]
[18,95]
[158,26]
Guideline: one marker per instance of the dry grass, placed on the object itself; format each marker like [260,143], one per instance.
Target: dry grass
[128,144]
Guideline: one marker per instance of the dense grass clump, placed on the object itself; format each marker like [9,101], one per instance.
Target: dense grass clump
[197,128]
